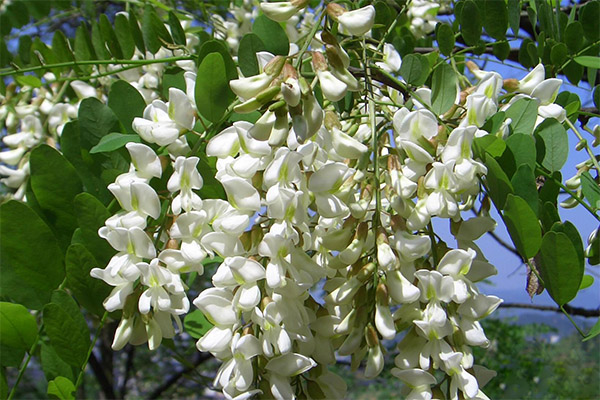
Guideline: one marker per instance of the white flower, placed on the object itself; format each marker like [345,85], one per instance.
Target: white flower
[358,22]
[391,59]
[185,178]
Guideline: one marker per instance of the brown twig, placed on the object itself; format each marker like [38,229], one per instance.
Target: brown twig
[200,358]
[582,312]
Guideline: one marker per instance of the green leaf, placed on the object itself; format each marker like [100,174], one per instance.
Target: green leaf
[83,47]
[10,357]
[98,42]
[176,30]
[495,19]
[522,147]
[488,144]
[591,190]
[154,31]
[55,184]
[124,36]
[574,36]
[114,141]
[596,96]
[88,291]
[552,144]
[26,277]
[212,188]
[95,121]
[558,54]
[559,267]
[443,88]
[60,47]
[595,331]
[523,114]
[25,43]
[52,365]
[126,102]
[445,38]
[550,189]
[61,388]
[523,226]
[272,35]
[91,215]
[249,46]
[589,15]
[524,184]
[18,328]
[220,47]
[573,234]
[196,324]
[28,80]
[569,101]
[470,23]
[415,69]
[588,61]
[136,32]
[173,77]
[3,384]
[514,15]
[573,71]
[498,184]
[68,332]
[211,87]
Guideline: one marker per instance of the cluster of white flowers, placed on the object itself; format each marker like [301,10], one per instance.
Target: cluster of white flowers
[326,234]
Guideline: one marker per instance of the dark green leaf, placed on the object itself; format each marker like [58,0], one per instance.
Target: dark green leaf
[589,15]
[415,69]
[109,37]
[501,49]
[573,71]
[96,120]
[249,46]
[173,77]
[523,114]
[522,147]
[212,188]
[523,226]
[18,328]
[574,36]
[443,88]
[126,102]
[596,96]
[591,190]
[98,42]
[124,36]
[470,23]
[493,124]
[83,47]
[61,388]
[220,47]
[60,47]
[523,182]
[524,57]
[10,357]
[25,43]
[573,234]
[495,19]
[552,144]
[69,334]
[212,87]
[272,35]
[548,216]
[55,184]
[499,185]
[514,15]
[176,30]
[196,324]
[445,38]
[569,101]
[154,31]
[559,267]
[558,54]
[52,365]
[488,144]
[91,215]
[550,189]
[138,37]
[88,291]
[26,277]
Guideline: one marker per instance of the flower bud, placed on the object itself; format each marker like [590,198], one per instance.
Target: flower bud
[510,85]
[365,273]
[371,336]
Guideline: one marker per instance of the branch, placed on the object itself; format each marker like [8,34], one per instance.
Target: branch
[128,368]
[200,358]
[101,377]
[582,312]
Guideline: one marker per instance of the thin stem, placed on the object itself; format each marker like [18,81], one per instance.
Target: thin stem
[569,191]
[572,321]
[95,62]
[92,345]
[26,363]
[587,147]
[433,243]
[309,38]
